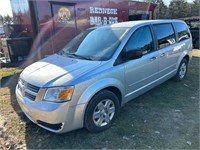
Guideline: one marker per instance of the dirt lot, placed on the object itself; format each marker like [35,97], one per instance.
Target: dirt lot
[167,117]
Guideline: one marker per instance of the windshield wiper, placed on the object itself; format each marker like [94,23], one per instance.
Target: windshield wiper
[79,56]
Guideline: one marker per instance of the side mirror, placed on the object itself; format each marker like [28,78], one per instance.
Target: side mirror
[133,54]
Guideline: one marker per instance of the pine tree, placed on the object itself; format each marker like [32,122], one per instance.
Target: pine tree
[1,20]
[195,8]
[161,11]
[7,19]
[179,9]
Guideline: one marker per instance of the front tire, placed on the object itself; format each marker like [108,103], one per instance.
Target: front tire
[101,111]
[182,71]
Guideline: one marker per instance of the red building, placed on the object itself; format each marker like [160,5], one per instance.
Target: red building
[54,23]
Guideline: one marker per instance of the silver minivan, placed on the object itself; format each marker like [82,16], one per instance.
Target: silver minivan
[94,75]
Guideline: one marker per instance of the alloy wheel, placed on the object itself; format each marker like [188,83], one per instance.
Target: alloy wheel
[103,112]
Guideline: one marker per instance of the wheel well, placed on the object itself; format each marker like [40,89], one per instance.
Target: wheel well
[116,91]
[187,58]
[113,89]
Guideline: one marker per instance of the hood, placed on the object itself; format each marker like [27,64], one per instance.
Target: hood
[45,72]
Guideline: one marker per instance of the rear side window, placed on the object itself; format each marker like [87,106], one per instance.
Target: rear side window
[165,35]
[182,31]
[141,39]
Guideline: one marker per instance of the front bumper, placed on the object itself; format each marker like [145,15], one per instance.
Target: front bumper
[55,117]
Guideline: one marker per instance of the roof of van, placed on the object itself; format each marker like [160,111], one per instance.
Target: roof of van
[134,23]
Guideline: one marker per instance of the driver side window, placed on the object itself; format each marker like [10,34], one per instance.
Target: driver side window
[141,39]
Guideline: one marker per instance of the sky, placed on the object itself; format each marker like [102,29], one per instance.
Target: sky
[168,1]
[5,7]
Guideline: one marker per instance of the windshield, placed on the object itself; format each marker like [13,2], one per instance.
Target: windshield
[95,44]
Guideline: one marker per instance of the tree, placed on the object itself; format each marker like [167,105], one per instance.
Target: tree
[161,11]
[7,19]
[1,20]
[151,1]
[179,9]
[195,8]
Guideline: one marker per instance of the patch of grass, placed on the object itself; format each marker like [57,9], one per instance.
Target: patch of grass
[5,72]
[196,52]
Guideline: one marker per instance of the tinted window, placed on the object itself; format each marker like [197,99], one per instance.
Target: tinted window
[141,39]
[165,35]
[182,31]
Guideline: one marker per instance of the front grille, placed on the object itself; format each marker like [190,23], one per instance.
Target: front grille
[33,88]
[28,95]
[28,90]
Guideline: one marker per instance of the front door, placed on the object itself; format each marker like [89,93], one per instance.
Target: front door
[64,24]
[140,73]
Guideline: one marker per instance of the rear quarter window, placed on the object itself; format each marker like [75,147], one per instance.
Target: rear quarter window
[182,31]
[165,34]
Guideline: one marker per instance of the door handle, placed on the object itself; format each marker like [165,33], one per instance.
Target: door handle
[162,55]
[153,58]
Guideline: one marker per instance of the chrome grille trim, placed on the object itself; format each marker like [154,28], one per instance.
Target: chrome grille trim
[31,92]
[29,96]
[33,88]
[28,90]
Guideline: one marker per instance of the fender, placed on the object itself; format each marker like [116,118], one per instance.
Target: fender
[98,86]
[182,56]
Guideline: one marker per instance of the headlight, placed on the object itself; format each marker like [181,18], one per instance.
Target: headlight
[59,94]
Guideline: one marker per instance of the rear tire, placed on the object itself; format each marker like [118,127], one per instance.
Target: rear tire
[182,71]
[101,111]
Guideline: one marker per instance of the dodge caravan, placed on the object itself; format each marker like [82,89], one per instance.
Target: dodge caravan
[87,82]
